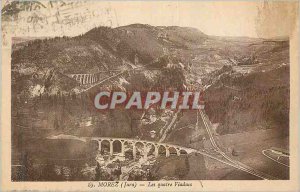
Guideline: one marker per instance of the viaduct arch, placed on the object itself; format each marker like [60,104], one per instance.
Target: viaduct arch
[169,149]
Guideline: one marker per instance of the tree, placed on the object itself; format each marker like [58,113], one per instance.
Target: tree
[98,172]
[48,173]
[27,171]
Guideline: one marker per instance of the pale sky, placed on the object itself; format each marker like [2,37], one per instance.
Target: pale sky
[212,18]
[230,18]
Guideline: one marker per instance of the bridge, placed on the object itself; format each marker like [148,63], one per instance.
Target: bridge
[84,79]
[90,78]
[170,149]
[146,146]
[217,154]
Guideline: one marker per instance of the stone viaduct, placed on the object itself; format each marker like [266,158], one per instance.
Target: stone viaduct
[90,78]
[84,79]
[169,149]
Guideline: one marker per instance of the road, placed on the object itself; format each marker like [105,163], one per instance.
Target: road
[169,127]
[276,160]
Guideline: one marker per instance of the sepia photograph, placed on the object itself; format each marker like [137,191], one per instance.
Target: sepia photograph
[157,92]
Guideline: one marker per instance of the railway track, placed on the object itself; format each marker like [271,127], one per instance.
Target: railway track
[234,163]
[116,75]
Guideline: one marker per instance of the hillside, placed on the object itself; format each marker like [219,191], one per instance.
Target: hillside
[259,100]
[246,80]
[245,83]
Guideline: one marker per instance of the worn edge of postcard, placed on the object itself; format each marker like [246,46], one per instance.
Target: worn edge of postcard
[205,185]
